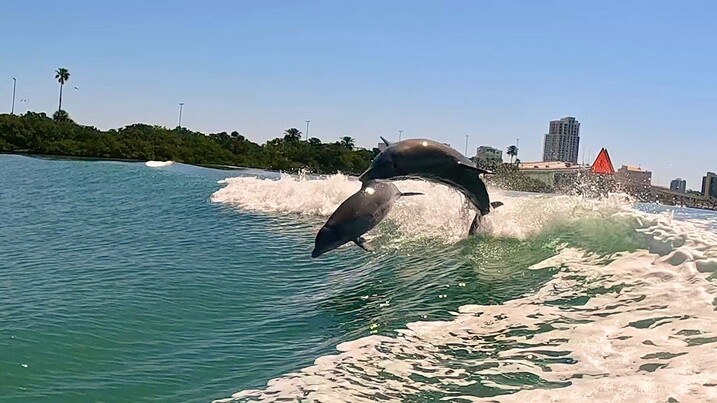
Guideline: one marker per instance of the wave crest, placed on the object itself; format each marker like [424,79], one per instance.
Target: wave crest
[441,213]
[635,325]
[158,164]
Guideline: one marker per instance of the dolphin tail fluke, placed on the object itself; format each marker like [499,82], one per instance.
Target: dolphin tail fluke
[496,204]
[411,194]
[363,244]
[388,143]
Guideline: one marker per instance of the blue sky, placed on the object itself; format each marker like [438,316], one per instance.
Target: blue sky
[640,76]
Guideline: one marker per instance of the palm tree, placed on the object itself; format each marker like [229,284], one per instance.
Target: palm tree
[60,116]
[347,142]
[61,75]
[292,134]
[513,152]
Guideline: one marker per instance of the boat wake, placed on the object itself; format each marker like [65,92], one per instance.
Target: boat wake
[630,310]
[158,164]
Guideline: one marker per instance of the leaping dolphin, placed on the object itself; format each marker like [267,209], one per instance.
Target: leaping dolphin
[357,215]
[436,162]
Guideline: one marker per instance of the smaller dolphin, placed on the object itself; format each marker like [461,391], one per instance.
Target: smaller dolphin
[357,215]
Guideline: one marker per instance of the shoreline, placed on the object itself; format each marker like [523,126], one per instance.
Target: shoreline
[224,167]
[83,158]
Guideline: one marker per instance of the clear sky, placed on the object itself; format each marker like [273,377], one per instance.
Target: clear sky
[640,76]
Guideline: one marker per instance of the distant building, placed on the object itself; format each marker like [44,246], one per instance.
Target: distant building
[552,173]
[709,184]
[635,174]
[562,141]
[489,155]
[678,185]
[381,146]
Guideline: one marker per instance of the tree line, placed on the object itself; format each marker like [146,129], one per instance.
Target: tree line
[36,133]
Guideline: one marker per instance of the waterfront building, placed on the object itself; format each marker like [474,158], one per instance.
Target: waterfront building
[635,174]
[678,185]
[562,142]
[489,155]
[709,184]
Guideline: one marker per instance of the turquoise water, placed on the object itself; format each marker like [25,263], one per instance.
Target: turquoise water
[122,282]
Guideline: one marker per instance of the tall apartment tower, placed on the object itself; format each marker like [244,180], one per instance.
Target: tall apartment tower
[709,184]
[562,141]
[678,185]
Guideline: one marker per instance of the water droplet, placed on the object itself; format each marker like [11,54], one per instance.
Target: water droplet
[24,365]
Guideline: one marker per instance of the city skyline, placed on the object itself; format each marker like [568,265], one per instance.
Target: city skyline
[492,70]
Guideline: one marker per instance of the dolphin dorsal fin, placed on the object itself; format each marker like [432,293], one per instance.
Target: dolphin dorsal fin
[388,143]
[474,168]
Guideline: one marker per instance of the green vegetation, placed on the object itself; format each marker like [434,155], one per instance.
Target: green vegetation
[36,133]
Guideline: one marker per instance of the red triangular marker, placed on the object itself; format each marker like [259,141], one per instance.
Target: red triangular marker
[603,164]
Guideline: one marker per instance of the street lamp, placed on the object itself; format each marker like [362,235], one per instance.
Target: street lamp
[14,84]
[307,130]
[466,153]
[400,132]
[181,106]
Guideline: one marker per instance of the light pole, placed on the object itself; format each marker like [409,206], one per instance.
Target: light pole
[466,153]
[181,106]
[14,84]
[400,132]
[307,129]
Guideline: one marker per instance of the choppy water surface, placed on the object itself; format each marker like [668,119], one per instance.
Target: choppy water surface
[164,282]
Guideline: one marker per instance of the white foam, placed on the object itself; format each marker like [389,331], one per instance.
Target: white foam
[158,164]
[638,326]
[440,213]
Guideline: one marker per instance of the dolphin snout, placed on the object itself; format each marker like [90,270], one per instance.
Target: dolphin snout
[315,253]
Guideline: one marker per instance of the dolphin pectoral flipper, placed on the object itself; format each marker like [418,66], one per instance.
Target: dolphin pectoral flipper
[411,194]
[363,244]
[474,168]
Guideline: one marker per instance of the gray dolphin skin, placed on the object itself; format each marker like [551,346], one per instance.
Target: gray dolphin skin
[357,215]
[433,161]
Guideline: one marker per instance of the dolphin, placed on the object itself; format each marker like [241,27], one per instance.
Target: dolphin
[435,162]
[357,215]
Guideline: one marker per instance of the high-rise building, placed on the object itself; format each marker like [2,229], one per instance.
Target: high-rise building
[489,155]
[709,184]
[562,142]
[678,185]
